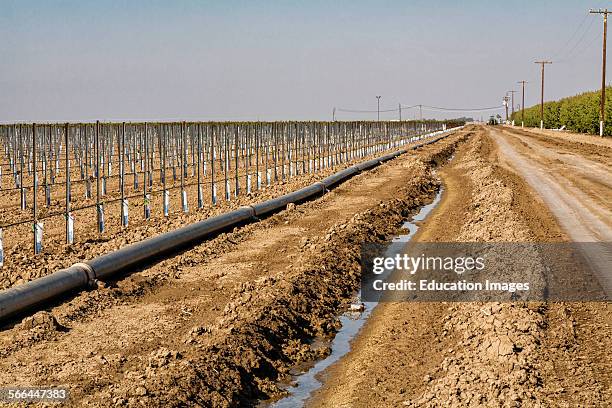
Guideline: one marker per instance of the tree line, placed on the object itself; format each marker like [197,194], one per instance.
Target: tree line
[579,113]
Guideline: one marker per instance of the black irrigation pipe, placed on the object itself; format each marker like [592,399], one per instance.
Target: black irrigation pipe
[83,274]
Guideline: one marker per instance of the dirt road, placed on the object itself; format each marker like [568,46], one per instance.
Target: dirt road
[220,324]
[494,354]
[574,179]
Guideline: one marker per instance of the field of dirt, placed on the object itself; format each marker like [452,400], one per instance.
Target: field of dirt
[492,354]
[222,323]
[226,322]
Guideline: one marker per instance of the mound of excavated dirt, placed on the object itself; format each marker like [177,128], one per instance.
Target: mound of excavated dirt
[267,327]
[500,359]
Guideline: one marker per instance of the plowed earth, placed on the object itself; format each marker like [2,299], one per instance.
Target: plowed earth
[222,323]
[504,185]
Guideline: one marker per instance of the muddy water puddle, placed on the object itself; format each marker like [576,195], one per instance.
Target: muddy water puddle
[307,379]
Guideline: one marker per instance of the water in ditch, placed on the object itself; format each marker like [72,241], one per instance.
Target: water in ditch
[308,381]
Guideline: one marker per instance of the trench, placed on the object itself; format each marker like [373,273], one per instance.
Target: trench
[308,379]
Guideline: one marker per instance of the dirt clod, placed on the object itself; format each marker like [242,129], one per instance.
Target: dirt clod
[41,321]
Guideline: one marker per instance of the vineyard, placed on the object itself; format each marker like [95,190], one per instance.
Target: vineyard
[579,113]
[70,186]
[305,205]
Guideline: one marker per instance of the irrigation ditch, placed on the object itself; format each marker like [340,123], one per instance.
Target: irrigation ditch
[308,378]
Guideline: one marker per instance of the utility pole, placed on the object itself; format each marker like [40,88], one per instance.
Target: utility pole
[523,103]
[602,107]
[506,99]
[378,109]
[542,63]
[399,105]
[421,112]
[512,93]
[334,114]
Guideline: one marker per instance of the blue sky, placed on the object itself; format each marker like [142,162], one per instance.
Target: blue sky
[131,60]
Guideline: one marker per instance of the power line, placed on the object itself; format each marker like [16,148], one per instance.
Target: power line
[569,55]
[580,53]
[427,107]
[364,111]
[584,19]
[421,106]
[463,109]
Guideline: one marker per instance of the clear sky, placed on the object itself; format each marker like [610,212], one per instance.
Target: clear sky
[267,60]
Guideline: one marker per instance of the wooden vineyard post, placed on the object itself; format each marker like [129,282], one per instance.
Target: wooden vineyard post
[225,130]
[236,163]
[22,190]
[183,167]
[123,202]
[199,147]
[166,193]
[213,186]
[99,208]
[146,178]
[68,217]
[37,233]
[258,174]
